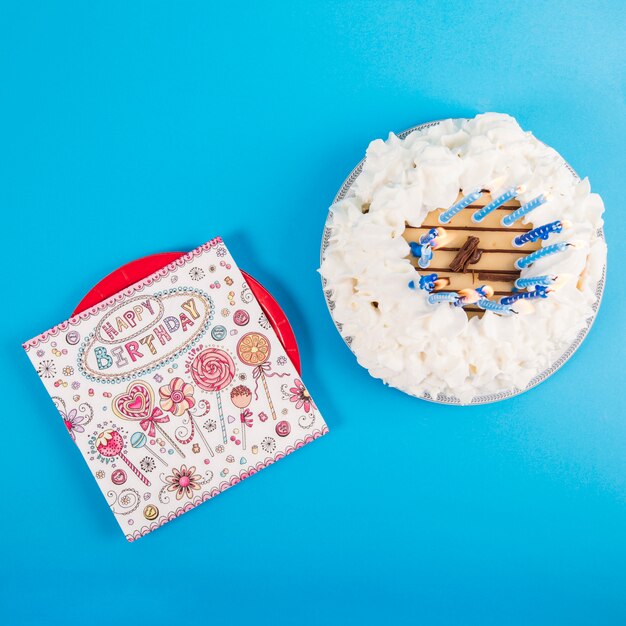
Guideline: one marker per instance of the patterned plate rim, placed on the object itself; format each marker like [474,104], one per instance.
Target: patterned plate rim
[481,399]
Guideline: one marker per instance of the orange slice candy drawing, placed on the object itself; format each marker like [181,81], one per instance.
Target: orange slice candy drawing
[253,349]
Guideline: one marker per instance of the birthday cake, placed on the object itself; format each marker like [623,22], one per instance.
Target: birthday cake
[465,260]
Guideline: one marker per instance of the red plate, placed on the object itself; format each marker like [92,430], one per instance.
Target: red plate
[138,269]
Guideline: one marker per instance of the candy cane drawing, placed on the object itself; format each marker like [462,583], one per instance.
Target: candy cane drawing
[254,349]
[213,370]
[136,404]
[109,443]
[241,397]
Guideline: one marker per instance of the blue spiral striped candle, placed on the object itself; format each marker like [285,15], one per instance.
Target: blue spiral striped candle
[496,307]
[485,291]
[481,214]
[429,241]
[510,219]
[470,296]
[543,281]
[423,252]
[429,237]
[467,296]
[525,261]
[429,282]
[425,259]
[541,232]
[446,296]
[446,216]
[539,292]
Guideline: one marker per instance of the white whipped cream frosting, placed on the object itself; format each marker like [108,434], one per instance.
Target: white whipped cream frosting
[435,349]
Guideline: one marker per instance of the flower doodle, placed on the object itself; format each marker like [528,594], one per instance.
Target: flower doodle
[183,482]
[75,420]
[125,502]
[301,397]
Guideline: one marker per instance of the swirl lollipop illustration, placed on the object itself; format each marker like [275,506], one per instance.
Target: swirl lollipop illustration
[109,443]
[136,404]
[213,370]
[254,349]
[241,397]
[177,398]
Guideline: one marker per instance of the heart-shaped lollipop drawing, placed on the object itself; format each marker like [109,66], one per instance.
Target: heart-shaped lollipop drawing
[136,404]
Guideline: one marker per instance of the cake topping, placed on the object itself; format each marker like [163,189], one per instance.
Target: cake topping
[495,307]
[468,254]
[495,275]
[430,241]
[494,252]
[430,282]
[525,261]
[531,281]
[539,292]
[446,216]
[509,220]
[481,214]
[542,232]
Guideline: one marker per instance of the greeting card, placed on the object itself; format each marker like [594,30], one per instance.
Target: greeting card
[175,389]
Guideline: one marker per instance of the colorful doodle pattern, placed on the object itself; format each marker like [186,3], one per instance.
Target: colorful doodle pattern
[162,438]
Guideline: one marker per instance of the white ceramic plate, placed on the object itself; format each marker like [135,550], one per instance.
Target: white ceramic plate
[483,399]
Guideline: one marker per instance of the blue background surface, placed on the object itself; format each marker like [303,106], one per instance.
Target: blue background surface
[128,128]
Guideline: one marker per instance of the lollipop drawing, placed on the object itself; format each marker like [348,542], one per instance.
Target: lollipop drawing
[254,349]
[241,397]
[139,440]
[109,443]
[177,398]
[213,370]
[136,404]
